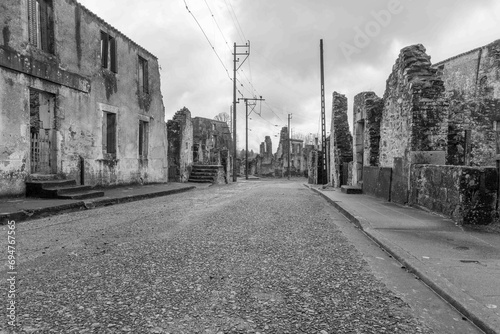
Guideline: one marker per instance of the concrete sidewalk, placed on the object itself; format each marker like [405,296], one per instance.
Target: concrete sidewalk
[462,266]
[25,208]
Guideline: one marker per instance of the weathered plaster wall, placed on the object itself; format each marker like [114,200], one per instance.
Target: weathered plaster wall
[466,194]
[473,87]
[84,90]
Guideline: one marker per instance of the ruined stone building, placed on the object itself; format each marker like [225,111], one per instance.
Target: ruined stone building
[340,142]
[78,99]
[429,141]
[472,86]
[264,162]
[197,141]
[295,147]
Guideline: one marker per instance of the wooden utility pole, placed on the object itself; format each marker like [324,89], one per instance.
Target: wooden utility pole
[246,129]
[323,122]
[235,68]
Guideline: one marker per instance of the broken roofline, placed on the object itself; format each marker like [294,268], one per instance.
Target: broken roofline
[465,53]
[109,26]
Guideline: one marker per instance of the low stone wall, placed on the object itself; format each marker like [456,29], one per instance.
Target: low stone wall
[466,194]
[377,181]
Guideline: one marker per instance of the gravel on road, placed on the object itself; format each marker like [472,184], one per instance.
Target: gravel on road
[254,257]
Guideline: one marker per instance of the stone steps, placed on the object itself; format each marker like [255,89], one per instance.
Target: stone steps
[203,174]
[64,189]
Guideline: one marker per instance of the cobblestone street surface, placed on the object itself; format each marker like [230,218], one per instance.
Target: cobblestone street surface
[252,257]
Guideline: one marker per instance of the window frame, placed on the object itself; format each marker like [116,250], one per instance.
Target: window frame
[109,140]
[108,52]
[143,75]
[143,139]
[41,25]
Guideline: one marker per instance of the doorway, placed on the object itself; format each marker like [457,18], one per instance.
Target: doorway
[360,151]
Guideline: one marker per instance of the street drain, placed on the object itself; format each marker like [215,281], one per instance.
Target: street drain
[462,248]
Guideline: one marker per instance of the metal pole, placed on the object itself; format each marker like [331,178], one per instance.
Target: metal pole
[323,122]
[288,130]
[234,115]
[246,141]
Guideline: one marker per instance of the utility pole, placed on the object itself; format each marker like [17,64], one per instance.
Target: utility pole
[246,128]
[289,146]
[235,60]
[323,122]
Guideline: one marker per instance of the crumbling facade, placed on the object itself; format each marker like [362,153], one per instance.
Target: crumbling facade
[78,99]
[180,144]
[472,85]
[264,162]
[197,141]
[367,116]
[430,140]
[340,144]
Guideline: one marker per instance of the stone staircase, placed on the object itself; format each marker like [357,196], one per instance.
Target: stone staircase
[204,174]
[48,186]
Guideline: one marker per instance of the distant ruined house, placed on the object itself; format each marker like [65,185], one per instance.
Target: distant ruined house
[78,99]
[197,142]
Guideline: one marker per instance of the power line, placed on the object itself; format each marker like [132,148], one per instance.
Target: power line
[220,30]
[208,40]
[235,20]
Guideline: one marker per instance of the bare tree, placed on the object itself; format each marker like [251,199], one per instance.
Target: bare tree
[223,117]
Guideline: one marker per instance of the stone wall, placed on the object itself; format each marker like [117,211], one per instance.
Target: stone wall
[312,167]
[377,182]
[265,162]
[466,194]
[415,115]
[180,145]
[340,140]
[211,141]
[367,116]
[473,87]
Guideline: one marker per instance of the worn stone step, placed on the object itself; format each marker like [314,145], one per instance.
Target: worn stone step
[72,189]
[202,177]
[351,190]
[200,180]
[39,188]
[43,177]
[203,174]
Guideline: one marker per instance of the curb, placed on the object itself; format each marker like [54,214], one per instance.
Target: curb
[25,215]
[459,300]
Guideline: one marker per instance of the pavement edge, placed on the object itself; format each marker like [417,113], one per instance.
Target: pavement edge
[459,300]
[25,215]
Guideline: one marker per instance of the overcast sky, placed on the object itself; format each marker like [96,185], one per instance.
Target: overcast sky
[362,39]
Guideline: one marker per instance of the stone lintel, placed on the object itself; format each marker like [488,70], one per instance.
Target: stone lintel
[15,61]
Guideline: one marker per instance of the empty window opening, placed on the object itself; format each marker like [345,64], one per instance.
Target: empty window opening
[109,133]
[143,75]
[143,139]
[108,52]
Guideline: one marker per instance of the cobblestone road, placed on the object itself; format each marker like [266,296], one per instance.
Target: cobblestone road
[255,257]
